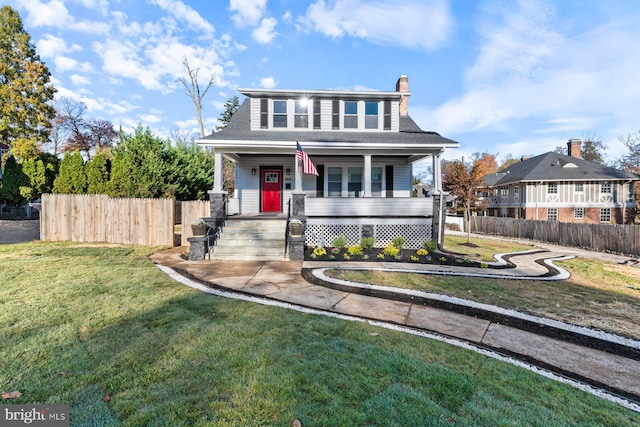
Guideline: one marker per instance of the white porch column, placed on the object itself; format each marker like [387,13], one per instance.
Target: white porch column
[367,175]
[217,174]
[298,176]
[437,174]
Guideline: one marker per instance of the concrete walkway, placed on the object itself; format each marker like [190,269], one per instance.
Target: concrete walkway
[602,361]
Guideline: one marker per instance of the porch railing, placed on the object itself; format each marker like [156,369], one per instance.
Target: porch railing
[369,207]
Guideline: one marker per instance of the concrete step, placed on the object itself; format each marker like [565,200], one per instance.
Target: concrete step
[218,257]
[249,250]
[229,234]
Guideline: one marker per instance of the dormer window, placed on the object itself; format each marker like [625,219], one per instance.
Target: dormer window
[371,115]
[279,114]
[350,114]
[301,118]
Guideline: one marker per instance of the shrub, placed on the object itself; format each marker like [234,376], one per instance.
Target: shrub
[354,250]
[398,242]
[422,252]
[391,250]
[414,258]
[319,251]
[346,257]
[367,242]
[429,245]
[335,251]
[339,242]
[380,255]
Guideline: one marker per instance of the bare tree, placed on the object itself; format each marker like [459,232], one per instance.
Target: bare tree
[195,92]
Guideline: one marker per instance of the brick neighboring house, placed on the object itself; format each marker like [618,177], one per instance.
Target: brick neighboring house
[562,188]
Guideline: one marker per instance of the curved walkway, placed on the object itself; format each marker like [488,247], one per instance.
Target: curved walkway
[600,363]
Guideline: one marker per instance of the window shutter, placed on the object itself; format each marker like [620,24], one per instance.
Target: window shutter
[389,180]
[320,181]
[264,113]
[316,114]
[335,114]
[387,115]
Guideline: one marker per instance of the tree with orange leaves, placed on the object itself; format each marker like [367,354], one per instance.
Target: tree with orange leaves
[462,180]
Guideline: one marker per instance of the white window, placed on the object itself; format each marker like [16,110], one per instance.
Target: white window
[552,214]
[605,215]
[578,213]
[334,182]
[354,188]
[301,117]
[552,188]
[279,114]
[371,115]
[376,181]
[579,187]
[351,114]
[605,187]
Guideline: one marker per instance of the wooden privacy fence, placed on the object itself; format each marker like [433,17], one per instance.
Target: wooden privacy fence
[624,239]
[191,211]
[99,218]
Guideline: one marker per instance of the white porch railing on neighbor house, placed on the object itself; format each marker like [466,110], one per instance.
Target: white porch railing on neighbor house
[369,207]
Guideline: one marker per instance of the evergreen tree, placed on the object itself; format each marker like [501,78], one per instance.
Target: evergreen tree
[72,178]
[145,159]
[230,108]
[189,171]
[12,180]
[25,89]
[34,170]
[51,169]
[97,170]
[120,183]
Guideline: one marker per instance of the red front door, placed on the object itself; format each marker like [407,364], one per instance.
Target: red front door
[271,200]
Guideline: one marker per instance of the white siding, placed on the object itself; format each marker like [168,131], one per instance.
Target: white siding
[255,113]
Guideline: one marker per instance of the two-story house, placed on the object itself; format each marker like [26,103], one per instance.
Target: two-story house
[564,188]
[363,145]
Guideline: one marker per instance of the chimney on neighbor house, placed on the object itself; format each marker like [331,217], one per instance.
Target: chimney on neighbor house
[402,85]
[574,148]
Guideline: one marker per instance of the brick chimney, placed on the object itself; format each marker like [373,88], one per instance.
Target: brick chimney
[403,86]
[574,148]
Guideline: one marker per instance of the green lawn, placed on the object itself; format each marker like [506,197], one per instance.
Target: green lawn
[599,295]
[105,331]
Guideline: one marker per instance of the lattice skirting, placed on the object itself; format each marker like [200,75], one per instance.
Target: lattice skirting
[323,234]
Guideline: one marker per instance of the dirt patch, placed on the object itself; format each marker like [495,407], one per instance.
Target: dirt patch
[18,231]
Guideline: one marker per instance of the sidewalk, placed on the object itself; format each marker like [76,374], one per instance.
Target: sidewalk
[599,359]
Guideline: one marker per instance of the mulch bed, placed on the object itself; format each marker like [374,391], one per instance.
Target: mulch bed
[405,255]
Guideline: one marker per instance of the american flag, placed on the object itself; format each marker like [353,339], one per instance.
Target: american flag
[307,164]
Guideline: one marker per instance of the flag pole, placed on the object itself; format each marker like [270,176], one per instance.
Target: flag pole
[298,177]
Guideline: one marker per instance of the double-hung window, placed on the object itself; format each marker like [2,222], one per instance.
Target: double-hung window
[351,114]
[371,115]
[552,214]
[376,181]
[605,188]
[552,188]
[354,174]
[279,114]
[334,182]
[301,116]
[579,187]
[605,215]
[578,213]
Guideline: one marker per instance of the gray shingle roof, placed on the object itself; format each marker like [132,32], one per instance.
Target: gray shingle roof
[410,133]
[553,166]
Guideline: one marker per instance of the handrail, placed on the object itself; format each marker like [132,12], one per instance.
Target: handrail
[286,228]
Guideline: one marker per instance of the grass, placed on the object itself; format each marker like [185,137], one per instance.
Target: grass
[600,295]
[102,329]
[482,249]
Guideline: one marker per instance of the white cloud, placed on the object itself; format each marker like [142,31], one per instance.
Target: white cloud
[268,83]
[150,118]
[423,24]
[50,46]
[287,17]
[79,80]
[265,33]
[181,11]
[55,14]
[248,12]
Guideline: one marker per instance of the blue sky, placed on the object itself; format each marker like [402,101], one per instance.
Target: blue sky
[505,77]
